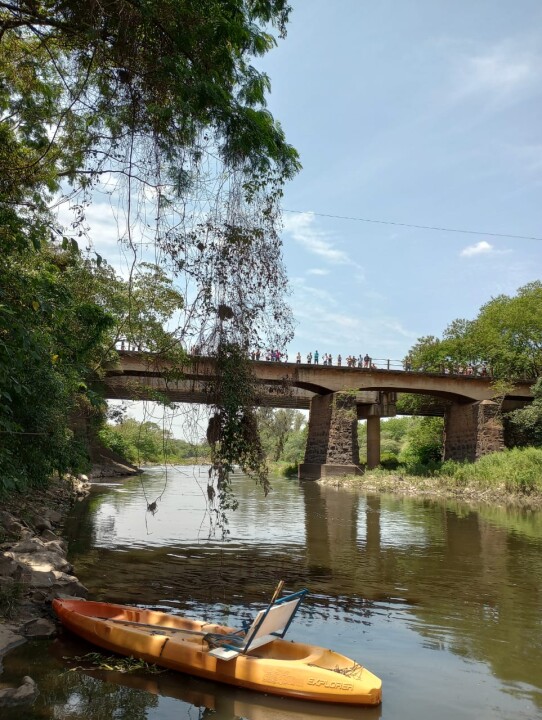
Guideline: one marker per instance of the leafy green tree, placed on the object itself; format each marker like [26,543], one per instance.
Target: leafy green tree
[393,437]
[506,336]
[393,434]
[424,442]
[276,427]
[294,447]
[161,96]
[508,332]
[48,339]
[427,355]
[524,426]
[147,443]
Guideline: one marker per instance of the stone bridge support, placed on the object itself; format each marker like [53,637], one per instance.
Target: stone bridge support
[332,442]
[373,441]
[472,430]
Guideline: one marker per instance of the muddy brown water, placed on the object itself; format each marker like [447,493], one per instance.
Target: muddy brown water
[443,601]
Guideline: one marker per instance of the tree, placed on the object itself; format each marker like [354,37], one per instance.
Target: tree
[508,332]
[424,442]
[49,337]
[276,427]
[506,335]
[427,354]
[524,426]
[155,103]
[160,95]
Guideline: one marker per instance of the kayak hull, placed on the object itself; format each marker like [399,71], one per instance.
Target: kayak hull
[290,669]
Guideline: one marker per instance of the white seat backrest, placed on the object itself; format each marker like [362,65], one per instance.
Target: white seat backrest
[275,621]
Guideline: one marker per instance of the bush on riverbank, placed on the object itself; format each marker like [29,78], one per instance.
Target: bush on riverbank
[284,469]
[519,468]
[511,476]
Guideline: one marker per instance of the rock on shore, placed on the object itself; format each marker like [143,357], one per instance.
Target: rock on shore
[33,570]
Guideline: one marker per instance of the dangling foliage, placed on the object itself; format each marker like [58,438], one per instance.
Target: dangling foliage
[155,106]
[233,429]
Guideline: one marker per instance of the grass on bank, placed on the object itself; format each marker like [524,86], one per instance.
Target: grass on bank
[517,471]
[511,474]
[283,469]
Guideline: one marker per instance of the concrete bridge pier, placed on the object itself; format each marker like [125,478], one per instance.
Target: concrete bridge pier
[373,441]
[472,430]
[332,443]
[385,407]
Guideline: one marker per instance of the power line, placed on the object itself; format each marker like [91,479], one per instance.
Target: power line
[418,227]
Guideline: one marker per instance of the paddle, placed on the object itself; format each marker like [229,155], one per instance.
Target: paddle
[154,627]
[277,592]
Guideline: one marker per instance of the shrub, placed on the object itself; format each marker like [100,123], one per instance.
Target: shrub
[389,461]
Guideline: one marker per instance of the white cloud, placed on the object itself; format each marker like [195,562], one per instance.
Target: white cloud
[308,294]
[317,271]
[500,74]
[301,228]
[481,248]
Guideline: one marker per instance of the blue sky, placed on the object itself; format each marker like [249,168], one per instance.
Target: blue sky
[423,112]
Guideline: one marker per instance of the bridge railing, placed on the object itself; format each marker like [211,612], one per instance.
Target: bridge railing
[474,371]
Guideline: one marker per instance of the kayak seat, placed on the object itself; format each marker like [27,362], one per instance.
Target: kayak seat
[268,625]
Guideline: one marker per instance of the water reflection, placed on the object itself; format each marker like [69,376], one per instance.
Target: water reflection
[441,600]
[106,694]
[228,703]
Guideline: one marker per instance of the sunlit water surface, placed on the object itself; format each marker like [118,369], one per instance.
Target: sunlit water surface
[441,600]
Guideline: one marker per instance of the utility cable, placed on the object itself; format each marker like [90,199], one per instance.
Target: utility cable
[417,227]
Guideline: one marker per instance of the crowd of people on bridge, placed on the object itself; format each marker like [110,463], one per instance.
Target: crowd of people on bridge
[366,362]
[363,361]
[327,359]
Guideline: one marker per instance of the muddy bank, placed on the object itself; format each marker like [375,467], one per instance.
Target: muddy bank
[107,464]
[436,487]
[34,569]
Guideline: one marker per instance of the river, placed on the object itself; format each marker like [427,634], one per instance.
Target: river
[441,600]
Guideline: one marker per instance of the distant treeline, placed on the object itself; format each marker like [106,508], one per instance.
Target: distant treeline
[146,443]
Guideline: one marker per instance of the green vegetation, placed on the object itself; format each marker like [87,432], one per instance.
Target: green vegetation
[410,442]
[156,106]
[11,595]
[99,661]
[283,435]
[519,469]
[505,338]
[61,316]
[147,443]
[511,475]
[524,427]
[51,334]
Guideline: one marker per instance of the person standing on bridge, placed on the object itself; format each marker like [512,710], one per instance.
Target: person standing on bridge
[339,360]
[316,357]
[366,361]
[298,358]
[330,359]
[309,359]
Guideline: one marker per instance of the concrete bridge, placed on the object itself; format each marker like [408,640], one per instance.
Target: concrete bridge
[337,398]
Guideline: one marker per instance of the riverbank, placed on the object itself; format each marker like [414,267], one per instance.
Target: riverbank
[440,486]
[34,568]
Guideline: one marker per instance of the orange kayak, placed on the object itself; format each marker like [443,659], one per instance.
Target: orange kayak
[279,667]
